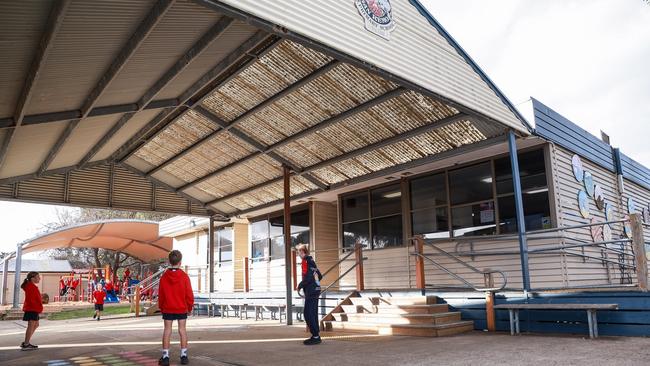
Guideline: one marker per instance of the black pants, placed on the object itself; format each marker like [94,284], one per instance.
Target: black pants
[311,315]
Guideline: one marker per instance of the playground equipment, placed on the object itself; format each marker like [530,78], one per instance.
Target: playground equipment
[145,293]
[71,288]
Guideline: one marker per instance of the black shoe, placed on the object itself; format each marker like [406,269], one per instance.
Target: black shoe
[31,346]
[24,346]
[184,360]
[98,319]
[311,341]
[164,361]
[94,315]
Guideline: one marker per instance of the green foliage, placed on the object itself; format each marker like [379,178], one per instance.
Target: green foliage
[88,312]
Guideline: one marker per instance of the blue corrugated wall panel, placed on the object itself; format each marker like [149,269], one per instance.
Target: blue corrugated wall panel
[631,319]
[635,172]
[552,126]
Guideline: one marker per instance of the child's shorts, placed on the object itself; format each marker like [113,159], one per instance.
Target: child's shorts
[30,315]
[168,316]
[99,307]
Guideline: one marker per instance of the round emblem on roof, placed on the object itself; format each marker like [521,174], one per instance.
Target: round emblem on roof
[609,212]
[588,182]
[578,171]
[377,16]
[599,197]
[630,205]
[583,203]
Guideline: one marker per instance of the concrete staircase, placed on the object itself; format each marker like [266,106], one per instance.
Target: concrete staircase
[411,316]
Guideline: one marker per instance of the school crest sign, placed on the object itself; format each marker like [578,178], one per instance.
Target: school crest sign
[377,16]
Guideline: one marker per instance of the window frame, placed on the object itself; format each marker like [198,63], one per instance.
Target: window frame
[369,218]
[268,239]
[407,226]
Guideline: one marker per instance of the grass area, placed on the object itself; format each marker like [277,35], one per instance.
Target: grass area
[88,312]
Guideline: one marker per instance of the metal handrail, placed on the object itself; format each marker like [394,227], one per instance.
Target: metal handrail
[356,263]
[472,268]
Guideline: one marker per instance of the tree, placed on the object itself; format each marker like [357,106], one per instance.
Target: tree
[83,257]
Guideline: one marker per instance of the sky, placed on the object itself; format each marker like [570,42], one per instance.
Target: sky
[589,60]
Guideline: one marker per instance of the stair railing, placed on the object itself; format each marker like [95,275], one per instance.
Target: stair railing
[419,244]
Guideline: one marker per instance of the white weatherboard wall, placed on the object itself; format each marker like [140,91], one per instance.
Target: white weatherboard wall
[416,51]
[194,247]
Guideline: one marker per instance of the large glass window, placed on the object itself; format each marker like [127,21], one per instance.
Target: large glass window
[268,234]
[429,206]
[381,225]
[472,220]
[224,244]
[471,184]
[537,210]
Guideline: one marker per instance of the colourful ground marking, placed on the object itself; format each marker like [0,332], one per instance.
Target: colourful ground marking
[122,359]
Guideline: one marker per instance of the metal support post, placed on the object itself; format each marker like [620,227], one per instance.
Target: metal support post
[5,280]
[17,272]
[519,206]
[287,242]
[211,254]
[638,245]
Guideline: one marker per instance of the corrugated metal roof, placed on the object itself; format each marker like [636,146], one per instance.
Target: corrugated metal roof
[41,265]
[263,104]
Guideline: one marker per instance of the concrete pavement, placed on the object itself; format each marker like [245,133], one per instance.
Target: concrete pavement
[214,341]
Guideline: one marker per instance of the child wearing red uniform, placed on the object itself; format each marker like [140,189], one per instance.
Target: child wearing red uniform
[32,306]
[175,300]
[98,298]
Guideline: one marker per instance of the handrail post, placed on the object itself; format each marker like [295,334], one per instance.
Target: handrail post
[246,275]
[490,315]
[638,245]
[294,271]
[137,302]
[358,256]
[419,263]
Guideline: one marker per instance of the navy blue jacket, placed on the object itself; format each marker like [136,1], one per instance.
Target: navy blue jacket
[308,283]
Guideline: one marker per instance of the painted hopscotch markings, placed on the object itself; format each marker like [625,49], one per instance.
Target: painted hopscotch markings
[122,359]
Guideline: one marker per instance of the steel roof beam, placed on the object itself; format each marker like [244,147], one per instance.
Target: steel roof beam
[145,28]
[268,26]
[435,125]
[49,117]
[384,172]
[192,53]
[315,128]
[225,126]
[65,135]
[53,24]
[197,92]
[258,146]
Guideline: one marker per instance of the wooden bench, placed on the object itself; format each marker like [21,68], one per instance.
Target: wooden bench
[591,309]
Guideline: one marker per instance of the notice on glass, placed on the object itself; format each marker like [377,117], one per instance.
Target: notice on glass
[487,213]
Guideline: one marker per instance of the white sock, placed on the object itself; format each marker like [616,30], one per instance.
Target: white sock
[165,353]
[183,352]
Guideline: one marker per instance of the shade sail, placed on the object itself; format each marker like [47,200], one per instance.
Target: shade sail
[136,238]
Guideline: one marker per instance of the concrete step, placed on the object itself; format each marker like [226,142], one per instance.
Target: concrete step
[406,300]
[418,330]
[437,318]
[412,309]
[353,309]
[367,302]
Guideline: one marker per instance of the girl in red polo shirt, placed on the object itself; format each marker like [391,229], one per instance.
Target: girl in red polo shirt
[32,307]
[98,298]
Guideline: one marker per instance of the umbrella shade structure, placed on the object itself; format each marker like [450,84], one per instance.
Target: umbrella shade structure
[139,239]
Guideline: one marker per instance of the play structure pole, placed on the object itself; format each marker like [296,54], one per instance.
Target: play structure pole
[287,243]
[17,272]
[137,301]
[5,275]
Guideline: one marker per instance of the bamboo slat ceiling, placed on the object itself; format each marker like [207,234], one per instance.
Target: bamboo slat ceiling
[204,105]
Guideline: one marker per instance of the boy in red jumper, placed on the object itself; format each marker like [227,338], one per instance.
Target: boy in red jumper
[175,300]
[98,298]
[32,307]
